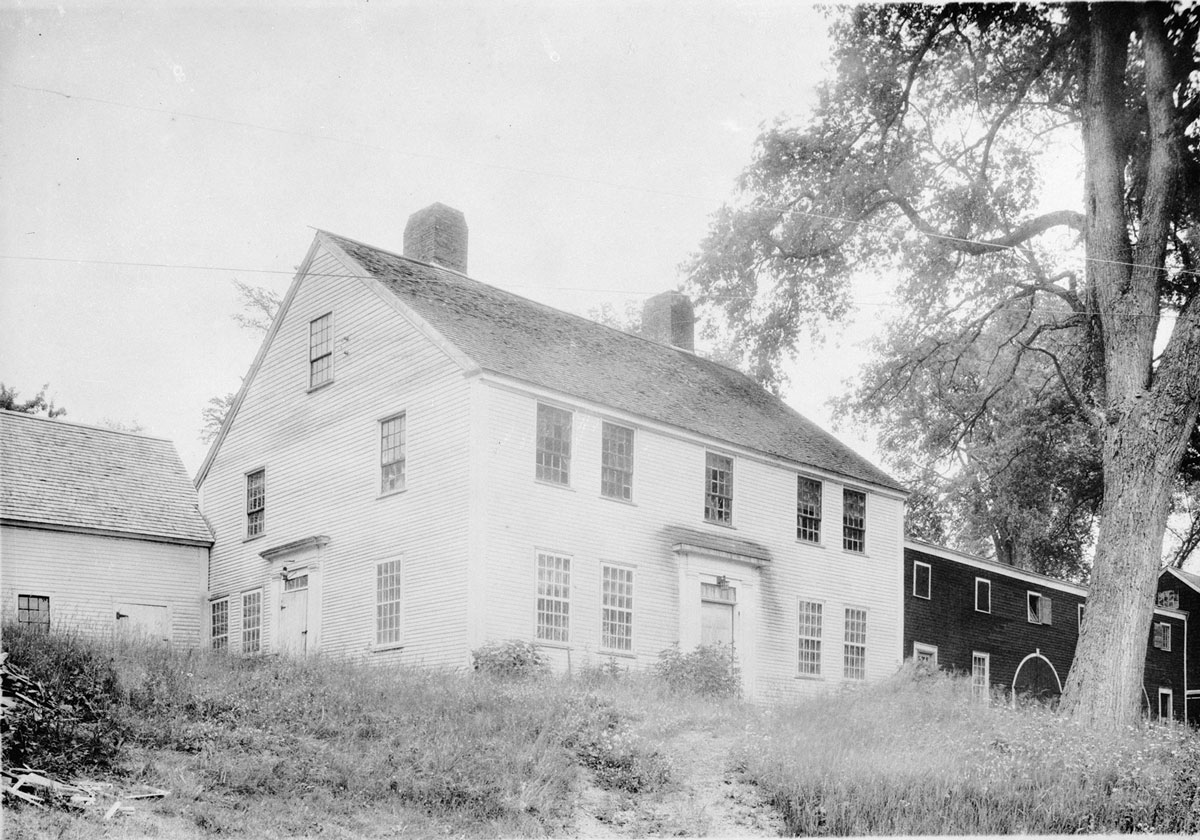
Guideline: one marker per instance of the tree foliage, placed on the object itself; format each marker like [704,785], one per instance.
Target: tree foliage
[38,404]
[924,160]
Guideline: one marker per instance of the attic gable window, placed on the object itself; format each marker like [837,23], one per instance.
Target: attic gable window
[616,462]
[718,491]
[392,440]
[553,444]
[854,520]
[808,509]
[320,351]
[256,503]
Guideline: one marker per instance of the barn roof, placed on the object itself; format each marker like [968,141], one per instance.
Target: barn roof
[528,341]
[67,476]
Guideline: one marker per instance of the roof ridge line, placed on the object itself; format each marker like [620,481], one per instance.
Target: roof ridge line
[79,425]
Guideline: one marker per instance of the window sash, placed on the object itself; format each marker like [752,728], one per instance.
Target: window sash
[389,627]
[854,656]
[854,520]
[616,602]
[616,462]
[553,444]
[34,611]
[219,624]
[808,509]
[392,446]
[1162,635]
[983,595]
[811,620]
[553,597]
[980,674]
[252,622]
[718,494]
[320,350]
[256,503]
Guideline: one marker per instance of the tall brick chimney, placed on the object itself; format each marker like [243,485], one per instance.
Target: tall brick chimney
[437,234]
[669,318]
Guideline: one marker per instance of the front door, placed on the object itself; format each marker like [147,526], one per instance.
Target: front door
[145,622]
[293,616]
[717,605]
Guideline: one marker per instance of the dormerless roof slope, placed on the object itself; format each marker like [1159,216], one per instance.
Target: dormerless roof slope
[70,477]
[519,338]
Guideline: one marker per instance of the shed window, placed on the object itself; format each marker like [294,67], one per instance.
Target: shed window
[553,444]
[854,520]
[616,462]
[921,579]
[219,624]
[1162,635]
[718,489]
[808,509]
[391,453]
[252,622]
[1039,608]
[34,611]
[320,350]
[983,595]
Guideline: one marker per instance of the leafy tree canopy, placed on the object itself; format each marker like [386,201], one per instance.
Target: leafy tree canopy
[37,405]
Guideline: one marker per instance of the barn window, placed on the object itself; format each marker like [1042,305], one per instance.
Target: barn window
[854,653]
[811,615]
[1166,702]
[983,595]
[34,611]
[553,597]
[1162,635]
[388,617]
[854,520]
[392,453]
[808,509]
[616,462]
[980,673]
[256,503]
[922,575]
[219,624]
[1039,608]
[718,489]
[320,351]
[616,606]
[252,621]
[553,444]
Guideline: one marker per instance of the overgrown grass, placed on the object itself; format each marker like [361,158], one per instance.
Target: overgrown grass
[917,755]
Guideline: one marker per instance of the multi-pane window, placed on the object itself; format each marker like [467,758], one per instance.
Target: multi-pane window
[252,622]
[34,611]
[554,597]
[391,453]
[810,638]
[616,603]
[983,595]
[980,674]
[256,503]
[320,350]
[1168,598]
[1039,608]
[854,520]
[388,626]
[553,444]
[854,654]
[616,462]
[1162,635]
[921,579]
[718,489]
[808,509]
[219,617]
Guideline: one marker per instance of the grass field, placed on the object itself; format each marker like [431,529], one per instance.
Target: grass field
[267,747]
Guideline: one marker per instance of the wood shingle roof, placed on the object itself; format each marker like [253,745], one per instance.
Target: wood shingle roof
[67,476]
[518,338]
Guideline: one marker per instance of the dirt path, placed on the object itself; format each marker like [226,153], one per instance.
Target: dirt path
[704,799]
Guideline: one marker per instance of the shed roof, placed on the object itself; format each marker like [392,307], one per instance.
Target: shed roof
[519,338]
[69,476]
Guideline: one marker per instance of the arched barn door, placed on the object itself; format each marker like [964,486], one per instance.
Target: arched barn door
[1037,678]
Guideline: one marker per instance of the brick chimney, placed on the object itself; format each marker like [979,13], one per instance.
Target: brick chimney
[670,319]
[437,234]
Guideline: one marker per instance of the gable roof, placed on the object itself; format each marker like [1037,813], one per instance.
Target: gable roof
[65,476]
[518,338]
[1188,578]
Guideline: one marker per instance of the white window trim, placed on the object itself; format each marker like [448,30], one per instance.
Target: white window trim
[820,674]
[846,642]
[396,644]
[985,689]
[866,545]
[228,622]
[1162,629]
[570,599]
[262,604]
[820,541]
[632,460]
[732,472]
[308,360]
[1041,612]
[246,537]
[1170,695]
[987,581]
[379,442]
[928,581]
[569,483]
[633,639]
[1079,613]
[921,647]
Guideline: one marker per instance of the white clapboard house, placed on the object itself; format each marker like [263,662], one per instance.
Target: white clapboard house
[419,463]
[100,533]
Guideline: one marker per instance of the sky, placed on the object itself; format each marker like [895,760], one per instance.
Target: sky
[151,154]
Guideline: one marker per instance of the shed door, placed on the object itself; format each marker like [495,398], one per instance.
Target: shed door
[143,621]
[293,616]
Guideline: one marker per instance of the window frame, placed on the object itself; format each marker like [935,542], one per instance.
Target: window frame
[808,520]
[1079,612]
[920,648]
[213,635]
[988,585]
[850,530]
[1161,636]
[860,668]
[25,613]
[252,635]
[1169,693]
[720,512]
[389,614]
[1044,610]
[985,689]
[548,597]
[625,476]
[261,510]
[617,609]
[928,596]
[815,659]
[314,358]
[401,416]
[544,469]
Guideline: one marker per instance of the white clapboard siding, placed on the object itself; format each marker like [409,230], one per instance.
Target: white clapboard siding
[321,452]
[522,515]
[85,576]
